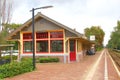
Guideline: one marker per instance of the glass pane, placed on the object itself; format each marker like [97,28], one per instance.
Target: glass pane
[42,35]
[42,46]
[27,46]
[56,34]
[27,36]
[72,45]
[57,46]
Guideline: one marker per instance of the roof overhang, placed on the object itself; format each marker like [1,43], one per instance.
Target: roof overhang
[84,40]
[6,45]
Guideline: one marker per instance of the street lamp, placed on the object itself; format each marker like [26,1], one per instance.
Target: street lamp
[33,32]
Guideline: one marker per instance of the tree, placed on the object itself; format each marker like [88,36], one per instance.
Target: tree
[5,17]
[4,33]
[7,29]
[98,32]
[5,12]
[114,42]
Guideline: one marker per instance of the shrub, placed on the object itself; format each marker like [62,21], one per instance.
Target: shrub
[47,60]
[8,57]
[15,68]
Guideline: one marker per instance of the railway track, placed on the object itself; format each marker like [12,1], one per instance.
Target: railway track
[116,57]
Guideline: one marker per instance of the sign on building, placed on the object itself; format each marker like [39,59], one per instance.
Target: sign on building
[92,37]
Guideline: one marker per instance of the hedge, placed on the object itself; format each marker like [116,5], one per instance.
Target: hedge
[15,68]
[44,59]
[47,60]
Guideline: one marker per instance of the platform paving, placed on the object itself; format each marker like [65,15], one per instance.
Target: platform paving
[72,71]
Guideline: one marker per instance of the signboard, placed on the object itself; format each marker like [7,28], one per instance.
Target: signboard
[92,37]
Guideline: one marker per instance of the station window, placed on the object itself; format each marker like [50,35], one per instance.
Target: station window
[56,34]
[27,36]
[42,46]
[56,45]
[27,46]
[42,35]
[44,42]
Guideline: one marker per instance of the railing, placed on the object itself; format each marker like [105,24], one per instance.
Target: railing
[7,52]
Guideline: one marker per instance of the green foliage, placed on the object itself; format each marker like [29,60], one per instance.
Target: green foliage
[47,60]
[6,30]
[11,27]
[98,32]
[8,57]
[114,41]
[99,48]
[3,34]
[15,68]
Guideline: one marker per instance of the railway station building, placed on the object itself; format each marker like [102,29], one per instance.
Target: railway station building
[52,39]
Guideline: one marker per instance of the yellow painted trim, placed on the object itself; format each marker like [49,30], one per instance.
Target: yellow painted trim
[76,46]
[64,41]
[69,51]
[21,42]
[26,32]
[19,49]
[79,46]
[49,42]
[68,46]
[55,30]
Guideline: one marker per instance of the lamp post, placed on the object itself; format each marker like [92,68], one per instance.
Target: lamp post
[33,32]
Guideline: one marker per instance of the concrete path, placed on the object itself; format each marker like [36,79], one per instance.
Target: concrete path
[95,67]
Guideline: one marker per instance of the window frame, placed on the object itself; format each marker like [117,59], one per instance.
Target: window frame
[27,40]
[56,46]
[42,39]
[24,50]
[48,38]
[43,51]
[57,38]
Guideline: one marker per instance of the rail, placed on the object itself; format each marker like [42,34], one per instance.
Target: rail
[115,54]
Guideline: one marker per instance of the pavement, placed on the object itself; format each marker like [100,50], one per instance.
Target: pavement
[94,67]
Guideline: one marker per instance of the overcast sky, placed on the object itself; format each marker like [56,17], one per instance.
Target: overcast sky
[77,14]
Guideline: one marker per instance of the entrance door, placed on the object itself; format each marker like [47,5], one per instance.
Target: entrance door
[72,50]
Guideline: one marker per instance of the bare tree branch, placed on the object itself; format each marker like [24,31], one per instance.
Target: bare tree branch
[9,10]
[5,12]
